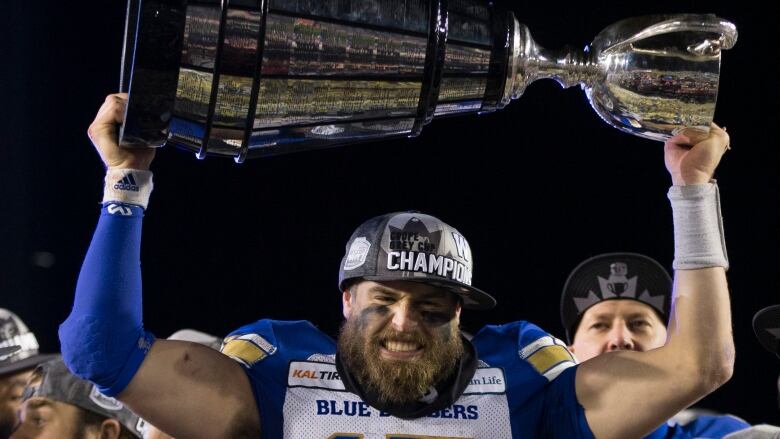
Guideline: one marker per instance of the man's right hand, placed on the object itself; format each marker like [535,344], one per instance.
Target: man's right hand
[103,132]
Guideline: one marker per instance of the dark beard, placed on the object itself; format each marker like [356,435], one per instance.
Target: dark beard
[399,382]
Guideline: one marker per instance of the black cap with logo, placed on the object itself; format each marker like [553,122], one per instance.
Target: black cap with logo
[18,345]
[412,247]
[59,384]
[614,276]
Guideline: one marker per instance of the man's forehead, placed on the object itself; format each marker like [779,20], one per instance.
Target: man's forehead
[37,402]
[618,308]
[417,289]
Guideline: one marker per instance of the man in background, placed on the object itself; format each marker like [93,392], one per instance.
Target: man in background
[18,357]
[621,301]
[57,404]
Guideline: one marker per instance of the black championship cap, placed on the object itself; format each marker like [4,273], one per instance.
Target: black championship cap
[412,247]
[23,353]
[58,384]
[766,325]
[612,276]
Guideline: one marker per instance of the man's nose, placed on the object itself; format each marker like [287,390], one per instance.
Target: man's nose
[620,339]
[404,316]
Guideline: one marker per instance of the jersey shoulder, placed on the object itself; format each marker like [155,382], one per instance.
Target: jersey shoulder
[697,423]
[715,425]
[521,341]
[278,340]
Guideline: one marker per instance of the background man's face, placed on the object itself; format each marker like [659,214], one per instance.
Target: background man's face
[616,325]
[48,419]
[11,389]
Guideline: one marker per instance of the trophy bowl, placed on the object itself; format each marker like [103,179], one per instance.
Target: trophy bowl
[660,73]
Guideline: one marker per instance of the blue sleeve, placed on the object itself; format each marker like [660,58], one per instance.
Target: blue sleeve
[703,426]
[562,414]
[715,425]
[103,339]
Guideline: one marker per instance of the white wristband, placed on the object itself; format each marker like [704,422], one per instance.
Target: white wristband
[698,227]
[131,186]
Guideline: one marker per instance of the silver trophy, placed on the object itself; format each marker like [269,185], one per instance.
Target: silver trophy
[249,78]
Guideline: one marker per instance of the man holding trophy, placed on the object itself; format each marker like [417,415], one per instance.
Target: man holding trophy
[247,79]
[405,279]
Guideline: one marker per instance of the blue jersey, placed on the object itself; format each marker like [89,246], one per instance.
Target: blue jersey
[522,388]
[703,426]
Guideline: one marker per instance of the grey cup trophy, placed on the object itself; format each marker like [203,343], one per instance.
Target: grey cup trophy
[249,78]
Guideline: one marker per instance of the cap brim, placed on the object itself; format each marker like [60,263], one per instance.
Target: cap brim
[11,366]
[473,298]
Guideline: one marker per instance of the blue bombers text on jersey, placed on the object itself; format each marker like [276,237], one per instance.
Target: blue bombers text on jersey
[523,388]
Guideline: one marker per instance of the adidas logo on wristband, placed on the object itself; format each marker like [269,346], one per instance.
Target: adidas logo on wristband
[127,186]
[127,183]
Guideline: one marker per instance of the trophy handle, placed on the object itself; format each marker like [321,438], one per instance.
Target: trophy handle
[685,23]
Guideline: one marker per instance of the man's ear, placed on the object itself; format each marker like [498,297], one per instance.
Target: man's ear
[110,429]
[346,303]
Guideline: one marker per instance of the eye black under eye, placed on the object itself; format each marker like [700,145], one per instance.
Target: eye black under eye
[435,317]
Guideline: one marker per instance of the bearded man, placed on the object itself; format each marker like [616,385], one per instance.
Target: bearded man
[400,368]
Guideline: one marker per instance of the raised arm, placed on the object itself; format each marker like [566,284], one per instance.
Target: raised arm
[628,394]
[183,388]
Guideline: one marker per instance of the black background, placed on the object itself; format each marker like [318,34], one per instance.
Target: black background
[536,188]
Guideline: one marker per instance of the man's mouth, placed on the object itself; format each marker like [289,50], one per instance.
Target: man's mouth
[400,346]
[400,350]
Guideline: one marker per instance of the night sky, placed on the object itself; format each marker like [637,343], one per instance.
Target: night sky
[536,188]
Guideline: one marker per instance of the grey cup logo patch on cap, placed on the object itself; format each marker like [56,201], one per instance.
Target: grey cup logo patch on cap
[357,253]
[413,236]
[414,247]
[618,285]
